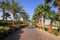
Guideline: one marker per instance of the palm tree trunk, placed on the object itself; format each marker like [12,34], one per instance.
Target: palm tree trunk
[59,22]
[50,29]
[6,18]
[36,22]
[43,23]
[59,13]
[3,14]
[23,20]
[59,9]
[13,18]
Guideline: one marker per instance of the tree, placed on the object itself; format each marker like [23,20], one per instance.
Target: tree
[56,3]
[52,16]
[7,15]
[4,5]
[14,8]
[38,13]
[46,9]
[35,19]
[42,10]
[25,17]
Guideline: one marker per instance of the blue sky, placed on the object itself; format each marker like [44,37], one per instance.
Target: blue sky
[30,5]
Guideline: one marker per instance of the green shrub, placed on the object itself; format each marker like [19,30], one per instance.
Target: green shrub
[6,30]
[54,32]
[46,28]
[11,30]
[9,23]
[1,29]
[5,23]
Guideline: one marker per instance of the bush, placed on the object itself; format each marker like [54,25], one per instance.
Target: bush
[5,31]
[46,28]
[54,32]
[5,23]
[1,29]
[11,30]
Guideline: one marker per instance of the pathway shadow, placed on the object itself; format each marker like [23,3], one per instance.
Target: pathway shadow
[16,35]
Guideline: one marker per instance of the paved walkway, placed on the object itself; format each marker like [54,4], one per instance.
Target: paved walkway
[30,33]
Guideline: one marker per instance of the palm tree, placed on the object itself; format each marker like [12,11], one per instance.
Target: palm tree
[4,5]
[52,16]
[35,19]
[7,15]
[56,3]
[38,11]
[25,17]
[46,8]
[42,10]
[14,8]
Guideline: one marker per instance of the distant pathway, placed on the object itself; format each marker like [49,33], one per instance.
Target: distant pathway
[30,33]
